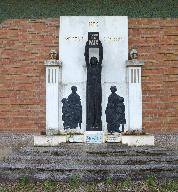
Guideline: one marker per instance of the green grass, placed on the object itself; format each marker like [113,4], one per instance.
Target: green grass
[74,185]
[54,8]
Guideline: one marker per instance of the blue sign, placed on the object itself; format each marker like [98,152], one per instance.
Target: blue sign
[94,138]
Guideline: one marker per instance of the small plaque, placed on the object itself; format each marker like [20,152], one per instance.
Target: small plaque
[93,39]
[113,139]
[76,139]
[94,137]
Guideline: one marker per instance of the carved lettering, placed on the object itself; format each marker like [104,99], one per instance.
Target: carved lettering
[93,42]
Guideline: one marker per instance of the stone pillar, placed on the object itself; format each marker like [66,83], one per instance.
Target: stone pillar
[53,80]
[134,92]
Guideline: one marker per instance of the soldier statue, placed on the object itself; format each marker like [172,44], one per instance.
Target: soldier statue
[72,110]
[115,112]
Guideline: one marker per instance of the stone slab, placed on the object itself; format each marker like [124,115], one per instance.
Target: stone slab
[76,139]
[113,138]
[42,140]
[140,140]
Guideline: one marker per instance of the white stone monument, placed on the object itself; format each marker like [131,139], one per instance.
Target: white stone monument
[73,35]
[113,34]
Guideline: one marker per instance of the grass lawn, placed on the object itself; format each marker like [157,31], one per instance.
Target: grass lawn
[74,185]
[14,9]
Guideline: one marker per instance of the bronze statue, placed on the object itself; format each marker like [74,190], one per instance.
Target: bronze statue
[93,89]
[94,94]
[72,110]
[115,112]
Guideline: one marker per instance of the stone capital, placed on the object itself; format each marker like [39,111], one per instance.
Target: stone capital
[53,63]
[134,63]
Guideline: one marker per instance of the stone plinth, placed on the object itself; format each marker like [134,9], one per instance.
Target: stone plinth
[138,140]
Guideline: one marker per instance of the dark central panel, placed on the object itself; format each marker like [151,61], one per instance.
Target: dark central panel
[93,89]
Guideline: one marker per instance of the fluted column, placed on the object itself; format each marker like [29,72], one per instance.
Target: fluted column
[53,74]
[134,94]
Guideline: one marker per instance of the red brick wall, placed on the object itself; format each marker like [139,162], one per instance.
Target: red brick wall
[25,44]
[157,44]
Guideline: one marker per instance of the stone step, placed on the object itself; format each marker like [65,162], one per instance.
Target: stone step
[92,147]
[124,151]
[91,173]
[55,166]
[90,162]
[129,160]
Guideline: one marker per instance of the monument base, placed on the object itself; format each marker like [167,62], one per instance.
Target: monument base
[96,137]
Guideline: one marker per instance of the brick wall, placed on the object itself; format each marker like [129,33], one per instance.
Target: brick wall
[157,44]
[25,44]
